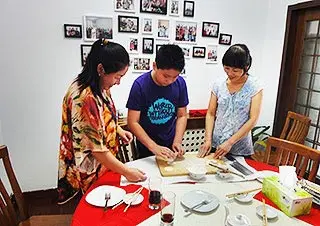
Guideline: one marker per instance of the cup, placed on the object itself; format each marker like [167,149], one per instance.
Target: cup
[155,187]
[167,208]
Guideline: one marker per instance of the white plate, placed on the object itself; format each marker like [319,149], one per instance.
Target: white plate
[265,173]
[128,198]
[96,196]
[271,212]
[192,198]
[244,198]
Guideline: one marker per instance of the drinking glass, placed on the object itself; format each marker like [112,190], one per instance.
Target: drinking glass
[167,208]
[155,187]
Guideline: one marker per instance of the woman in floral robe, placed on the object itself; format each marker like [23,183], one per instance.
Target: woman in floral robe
[89,132]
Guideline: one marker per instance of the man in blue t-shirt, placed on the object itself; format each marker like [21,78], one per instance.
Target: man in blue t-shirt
[157,106]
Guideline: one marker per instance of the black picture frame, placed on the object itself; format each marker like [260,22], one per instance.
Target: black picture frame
[210,29]
[147,45]
[225,39]
[125,24]
[158,46]
[85,50]
[146,6]
[187,12]
[72,30]
[199,52]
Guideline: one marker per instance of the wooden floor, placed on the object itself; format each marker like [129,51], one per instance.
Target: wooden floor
[45,203]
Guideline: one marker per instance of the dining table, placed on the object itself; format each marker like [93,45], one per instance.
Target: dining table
[90,215]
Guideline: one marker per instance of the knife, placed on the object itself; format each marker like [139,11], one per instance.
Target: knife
[238,166]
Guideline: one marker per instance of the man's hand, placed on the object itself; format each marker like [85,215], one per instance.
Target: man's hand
[164,152]
[177,148]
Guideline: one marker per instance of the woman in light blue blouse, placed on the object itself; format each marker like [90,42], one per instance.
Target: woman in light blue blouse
[234,107]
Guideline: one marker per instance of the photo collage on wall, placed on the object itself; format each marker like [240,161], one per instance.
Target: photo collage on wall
[159,22]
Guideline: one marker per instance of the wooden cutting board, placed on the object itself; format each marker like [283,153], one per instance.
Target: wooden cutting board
[179,166]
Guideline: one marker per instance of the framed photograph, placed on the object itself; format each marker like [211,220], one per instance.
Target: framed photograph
[188,8]
[225,39]
[128,24]
[147,45]
[186,32]
[158,46]
[163,29]
[141,64]
[85,50]
[199,52]
[128,6]
[210,29]
[72,31]
[153,6]
[186,50]
[147,26]
[133,45]
[212,55]
[96,27]
[174,7]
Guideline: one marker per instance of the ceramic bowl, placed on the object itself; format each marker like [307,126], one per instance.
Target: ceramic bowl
[223,175]
[238,220]
[196,172]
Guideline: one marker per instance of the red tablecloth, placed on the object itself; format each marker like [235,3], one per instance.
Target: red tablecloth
[312,218]
[88,215]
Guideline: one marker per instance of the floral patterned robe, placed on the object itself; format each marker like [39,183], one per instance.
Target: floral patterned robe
[87,126]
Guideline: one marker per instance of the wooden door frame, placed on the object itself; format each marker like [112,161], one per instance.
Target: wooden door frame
[286,95]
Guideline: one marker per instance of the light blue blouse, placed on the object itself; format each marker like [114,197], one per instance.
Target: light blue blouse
[233,111]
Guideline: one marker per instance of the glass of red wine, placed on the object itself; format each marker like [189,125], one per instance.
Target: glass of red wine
[167,208]
[155,187]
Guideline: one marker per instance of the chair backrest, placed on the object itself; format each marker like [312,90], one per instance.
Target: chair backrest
[8,214]
[294,154]
[296,127]
[127,152]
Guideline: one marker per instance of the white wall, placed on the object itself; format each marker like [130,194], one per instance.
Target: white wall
[37,65]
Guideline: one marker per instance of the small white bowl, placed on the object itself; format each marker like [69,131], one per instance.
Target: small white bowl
[224,175]
[197,173]
[130,197]
[244,198]
[238,220]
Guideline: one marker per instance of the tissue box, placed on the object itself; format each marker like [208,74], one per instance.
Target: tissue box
[291,202]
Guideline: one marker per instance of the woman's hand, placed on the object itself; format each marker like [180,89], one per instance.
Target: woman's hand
[204,149]
[126,136]
[222,150]
[164,152]
[177,148]
[135,175]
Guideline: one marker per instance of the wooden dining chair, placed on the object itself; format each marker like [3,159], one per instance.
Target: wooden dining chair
[127,152]
[14,211]
[294,154]
[295,129]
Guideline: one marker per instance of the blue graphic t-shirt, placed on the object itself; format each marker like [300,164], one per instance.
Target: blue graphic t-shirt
[158,106]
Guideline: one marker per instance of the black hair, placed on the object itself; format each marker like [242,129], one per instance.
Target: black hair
[170,57]
[113,57]
[238,56]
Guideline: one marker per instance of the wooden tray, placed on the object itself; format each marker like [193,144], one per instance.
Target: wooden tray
[179,167]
